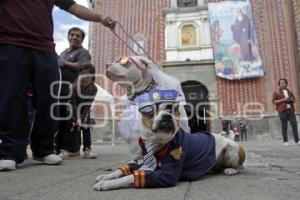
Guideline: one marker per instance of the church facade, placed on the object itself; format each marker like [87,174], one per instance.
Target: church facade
[176,34]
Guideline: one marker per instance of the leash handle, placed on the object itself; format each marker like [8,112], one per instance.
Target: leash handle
[126,42]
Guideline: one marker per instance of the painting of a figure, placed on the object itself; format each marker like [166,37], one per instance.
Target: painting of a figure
[216,33]
[188,35]
[233,40]
[242,34]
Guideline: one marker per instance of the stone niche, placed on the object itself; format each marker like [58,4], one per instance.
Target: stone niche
[189,36]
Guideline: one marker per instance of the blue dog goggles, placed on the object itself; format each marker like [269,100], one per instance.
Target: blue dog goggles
[157,99]
[151,108]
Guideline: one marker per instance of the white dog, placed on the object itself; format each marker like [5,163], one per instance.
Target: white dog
[139,75]
[178,156]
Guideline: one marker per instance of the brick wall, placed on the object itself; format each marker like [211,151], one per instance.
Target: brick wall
[296,16]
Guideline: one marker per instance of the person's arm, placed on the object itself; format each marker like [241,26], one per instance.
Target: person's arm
[89,15]
[82,58]
[277,101]
[292,97]
[71,65]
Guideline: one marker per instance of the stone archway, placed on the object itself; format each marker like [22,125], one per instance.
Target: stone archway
[196,95]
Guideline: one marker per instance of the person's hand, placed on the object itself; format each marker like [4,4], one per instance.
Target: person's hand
[288,99]
[108,22]
[73,127]
[78,123]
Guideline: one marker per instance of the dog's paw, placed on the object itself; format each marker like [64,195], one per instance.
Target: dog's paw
[104,185]
[99,186]
[114,175]
[230,171]
[103,177]
[124,182]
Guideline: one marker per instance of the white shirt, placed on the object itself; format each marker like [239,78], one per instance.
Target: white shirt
[286,94]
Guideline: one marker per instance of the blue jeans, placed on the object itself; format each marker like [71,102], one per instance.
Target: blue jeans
[19,67]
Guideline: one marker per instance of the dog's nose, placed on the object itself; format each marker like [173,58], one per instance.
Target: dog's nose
[166,117]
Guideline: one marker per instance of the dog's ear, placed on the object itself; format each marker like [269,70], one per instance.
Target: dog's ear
[144,60]
[177,111]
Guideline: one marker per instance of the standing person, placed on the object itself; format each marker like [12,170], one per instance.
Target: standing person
[243,35]
[72,59]
[226,126]
[236,131]
[284,100]
[84,91]
[27,54]
[243,129]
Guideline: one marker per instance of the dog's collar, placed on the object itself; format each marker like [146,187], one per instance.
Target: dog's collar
[162,151]
[151,86]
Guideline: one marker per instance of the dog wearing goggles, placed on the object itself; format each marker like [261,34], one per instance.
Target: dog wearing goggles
[139,75]
[177,155]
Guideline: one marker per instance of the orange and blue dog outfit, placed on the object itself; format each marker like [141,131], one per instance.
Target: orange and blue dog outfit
[186,157]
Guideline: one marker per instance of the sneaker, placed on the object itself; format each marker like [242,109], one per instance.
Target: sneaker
[51,159]
[64,154]
[286,144]
[7,165]
[88,154]
[298,143]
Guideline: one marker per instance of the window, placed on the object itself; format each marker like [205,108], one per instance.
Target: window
[188,35]
[141,40]
[186,3]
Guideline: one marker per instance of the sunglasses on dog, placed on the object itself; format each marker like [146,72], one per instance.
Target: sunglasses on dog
[152,108]
[125,60]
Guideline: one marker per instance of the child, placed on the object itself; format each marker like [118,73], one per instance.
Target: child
[84,91]
[236,133]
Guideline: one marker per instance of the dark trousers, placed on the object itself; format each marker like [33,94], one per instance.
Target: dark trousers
[30,109]
[86,137]
[243,134]
[71,140]
[67,138]
[237,138]
[19,67]
[290,116]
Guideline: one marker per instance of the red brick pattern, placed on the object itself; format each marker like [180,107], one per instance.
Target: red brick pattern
[296,8]
[273,21]
[137,16]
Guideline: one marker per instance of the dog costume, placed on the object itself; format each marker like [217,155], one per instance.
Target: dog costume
[185,158]
[170,154]
[129,124]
